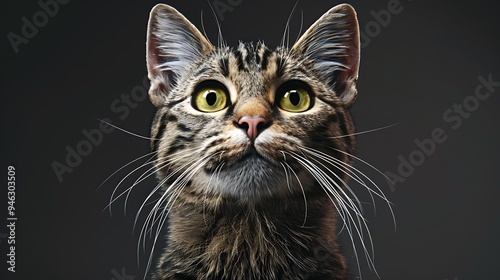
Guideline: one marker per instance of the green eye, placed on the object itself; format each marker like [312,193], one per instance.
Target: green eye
[294,98]
[210,98]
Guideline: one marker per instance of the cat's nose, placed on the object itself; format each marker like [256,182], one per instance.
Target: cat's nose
[252,125]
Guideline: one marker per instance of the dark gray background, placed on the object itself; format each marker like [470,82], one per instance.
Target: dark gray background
[427,59]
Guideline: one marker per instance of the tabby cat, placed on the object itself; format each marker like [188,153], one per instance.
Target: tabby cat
[253,150]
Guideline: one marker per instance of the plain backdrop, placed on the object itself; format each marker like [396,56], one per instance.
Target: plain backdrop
[417,69]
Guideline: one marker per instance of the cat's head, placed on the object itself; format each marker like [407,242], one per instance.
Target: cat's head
[252,122]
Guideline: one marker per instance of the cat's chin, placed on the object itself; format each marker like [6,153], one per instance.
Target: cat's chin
[250,178]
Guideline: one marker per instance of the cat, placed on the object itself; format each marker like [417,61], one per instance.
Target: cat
[253,150]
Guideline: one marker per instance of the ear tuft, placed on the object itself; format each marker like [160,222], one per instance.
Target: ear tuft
[332,44]
[173,44]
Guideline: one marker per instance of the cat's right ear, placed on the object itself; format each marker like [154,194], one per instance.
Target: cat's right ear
[332,43]
[173,44]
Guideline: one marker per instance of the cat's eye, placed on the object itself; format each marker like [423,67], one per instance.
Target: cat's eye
[294,97]
[210,97]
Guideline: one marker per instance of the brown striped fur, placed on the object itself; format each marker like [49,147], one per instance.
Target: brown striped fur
[241,208]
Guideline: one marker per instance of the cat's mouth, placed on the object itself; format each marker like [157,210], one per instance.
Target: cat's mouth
[252,155]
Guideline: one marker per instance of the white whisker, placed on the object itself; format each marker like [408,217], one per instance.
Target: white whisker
[220,38]
[164,180]
[341,166]
[128,132]
[301,24]
[335,202]
[363,132]
[113,198]
[347,203]
[336,161]
[152,170]
[203,27]
[301,188]
[286,33]
[168,198]
[380,193]
[121,168]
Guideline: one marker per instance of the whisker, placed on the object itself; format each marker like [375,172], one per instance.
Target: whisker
[328,191]
[168,161]
[151,219]
[164,180]
[371,181]
[336,176]
[287,177]
[301,24]
[341,166]
[183,179]
[363,132]
[323,175]
[325,181]
[301,188]
[203,27]
[121,168]
[335,160]
[128,132]
[286,33]
[113,198]
[215,175]
[220,39]
[351,171]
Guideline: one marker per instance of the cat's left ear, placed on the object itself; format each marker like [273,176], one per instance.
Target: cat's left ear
[173,44]
[332,44]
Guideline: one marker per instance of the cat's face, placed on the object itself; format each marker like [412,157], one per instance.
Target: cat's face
[251,122]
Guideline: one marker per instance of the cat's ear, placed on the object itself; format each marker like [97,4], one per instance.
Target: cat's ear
[332,44]
[173,44]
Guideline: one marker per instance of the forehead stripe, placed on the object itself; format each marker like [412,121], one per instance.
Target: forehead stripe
[265,59]
[239,58]
[224,66]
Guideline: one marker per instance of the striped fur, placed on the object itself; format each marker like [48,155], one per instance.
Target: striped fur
[263,215]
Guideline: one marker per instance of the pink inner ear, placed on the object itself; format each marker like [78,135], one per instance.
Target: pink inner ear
[158,78]
[353,55]
[153,57]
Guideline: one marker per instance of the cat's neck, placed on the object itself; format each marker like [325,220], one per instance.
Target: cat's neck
[228,239]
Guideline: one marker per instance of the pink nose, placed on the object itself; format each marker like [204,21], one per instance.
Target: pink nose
[253,125]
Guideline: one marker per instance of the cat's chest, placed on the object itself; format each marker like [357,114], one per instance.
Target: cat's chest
[243,243]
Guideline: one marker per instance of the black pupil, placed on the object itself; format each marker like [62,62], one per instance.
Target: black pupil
[294,97]
[211,98]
